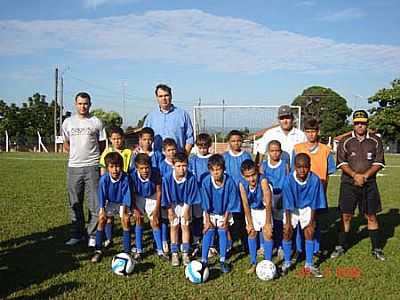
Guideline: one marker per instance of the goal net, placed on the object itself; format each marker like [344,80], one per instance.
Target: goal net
[252,121]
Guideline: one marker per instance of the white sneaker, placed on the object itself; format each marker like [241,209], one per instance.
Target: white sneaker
[175,260]
[73,241]
[92,242]
[185,258]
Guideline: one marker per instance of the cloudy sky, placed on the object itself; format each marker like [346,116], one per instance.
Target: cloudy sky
[245,52]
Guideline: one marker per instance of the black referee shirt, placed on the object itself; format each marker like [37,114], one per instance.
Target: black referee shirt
[360,155]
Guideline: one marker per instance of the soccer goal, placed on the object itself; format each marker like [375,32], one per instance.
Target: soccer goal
[252,121]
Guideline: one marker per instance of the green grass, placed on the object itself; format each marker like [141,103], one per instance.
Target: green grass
[34,263]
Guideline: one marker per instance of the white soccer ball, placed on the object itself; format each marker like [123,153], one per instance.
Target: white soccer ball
[122,264]
[266,270]
[196,273]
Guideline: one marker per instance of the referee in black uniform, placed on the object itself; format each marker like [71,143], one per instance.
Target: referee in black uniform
[360,156]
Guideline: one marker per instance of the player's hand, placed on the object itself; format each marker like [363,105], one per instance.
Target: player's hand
[250,228]
[225,224]
[312,224]
[359,180]
[207,226]
[288,228]
[171,216]
[137,215]
[268,229]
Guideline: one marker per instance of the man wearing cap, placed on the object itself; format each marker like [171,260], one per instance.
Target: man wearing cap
[360,156]
[286,134]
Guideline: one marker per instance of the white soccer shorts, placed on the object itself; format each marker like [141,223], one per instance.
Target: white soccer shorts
[302,215]
[114,209]
[146,205]
[179,212]
[218,220]
[258,217]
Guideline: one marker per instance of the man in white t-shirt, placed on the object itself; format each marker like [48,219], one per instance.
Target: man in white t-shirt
[84,139]
[285,133]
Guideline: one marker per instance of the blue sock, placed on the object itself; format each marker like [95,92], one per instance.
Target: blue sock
[299,239]
[268,245]
[99,239]
[278,232]
[309,252]
[185,247]
[253,249]
[126,238]
[287,250]
[223,242]
[109,231]
[174,247]
[317,239]
[157,239]
[139,238]
[164,230]
[208,238]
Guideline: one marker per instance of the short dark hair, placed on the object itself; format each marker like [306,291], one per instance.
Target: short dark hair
[114,158]
[311,123]
[247,164]
[146,130]
[203,138]
[168,142]
[115,129]
[180,157]
[274,142]
[142,159]
[216,160]
[163,87]
[83,95]
[303,157]
[234,132]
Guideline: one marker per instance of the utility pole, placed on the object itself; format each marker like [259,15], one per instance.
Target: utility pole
[223,120]
[61,102]
[199,120]
[55,108]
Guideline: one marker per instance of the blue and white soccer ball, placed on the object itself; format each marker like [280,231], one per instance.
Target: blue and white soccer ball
[122,264]
[266,270]
[196,273]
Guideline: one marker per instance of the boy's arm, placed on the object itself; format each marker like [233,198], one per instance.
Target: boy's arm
[267,200]
[156,211]
[246,209]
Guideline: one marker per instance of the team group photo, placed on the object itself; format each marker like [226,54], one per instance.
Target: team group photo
[110,195]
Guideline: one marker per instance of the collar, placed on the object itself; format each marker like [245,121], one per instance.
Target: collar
[298,181]
[204,156]
[141,179]
[353,134]
[178,181]
[115,180]
[276,166]
[168,162]
[217,186]
[233,154]
[291,132]
[149,154]
[172,107]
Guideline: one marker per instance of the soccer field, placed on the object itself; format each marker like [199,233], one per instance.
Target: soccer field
[34,263]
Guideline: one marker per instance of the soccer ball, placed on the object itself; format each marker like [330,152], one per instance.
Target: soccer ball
[122,264]
[196,273]
[266,270]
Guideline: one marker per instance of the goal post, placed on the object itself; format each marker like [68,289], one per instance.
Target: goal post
[251,120]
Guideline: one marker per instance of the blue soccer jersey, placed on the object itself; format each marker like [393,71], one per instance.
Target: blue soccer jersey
[176,192]
[276,174]
[145,187]
[166,168]
[116,191]
[297,194]
[255,196]
[198,165]
[220,199]
[233,162]
[155,157]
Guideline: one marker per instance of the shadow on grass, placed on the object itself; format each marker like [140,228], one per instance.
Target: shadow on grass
[36,258]
[53,291]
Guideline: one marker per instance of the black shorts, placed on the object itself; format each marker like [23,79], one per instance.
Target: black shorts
[367,198]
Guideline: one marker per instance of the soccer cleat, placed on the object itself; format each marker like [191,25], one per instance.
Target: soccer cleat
[98,255]
[175,260]
[212,252]
[163,256]
[378,254]
[108,244]
[196,251]
[185,258]
[297,257]
[285,268]
[280,253]
[314,271]
[165,247]
[224,267]
[339,251]
[92,242]
[73,241]
[137,256]
[260,252]
[251,270]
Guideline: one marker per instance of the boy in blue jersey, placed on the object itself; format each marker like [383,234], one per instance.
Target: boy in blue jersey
[303,195]
[114,199]
[257,207]
[179,193]
[198,165]
[275,169]
[146,139]
[220,198]
[146,182]
[233,161]
[166,167]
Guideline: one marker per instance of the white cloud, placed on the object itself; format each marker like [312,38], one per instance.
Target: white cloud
[192,37]
[95,3]
[343,15]
[306,3]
